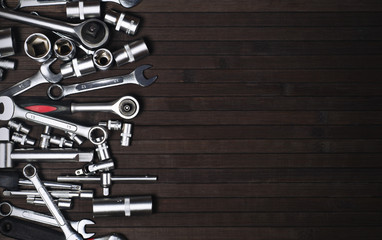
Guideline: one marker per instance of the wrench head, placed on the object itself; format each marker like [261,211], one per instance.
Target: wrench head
[7,108]
[48,74]
[80,228]
[140,77]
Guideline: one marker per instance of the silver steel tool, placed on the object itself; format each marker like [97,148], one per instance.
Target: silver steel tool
[122,206]
[39,3]
[55,185]
[54,193]
[30,172]
[38,47]
[7,43]
[7,209]
[93,33]
[44,75]
[62,203]
[136,77]
[11,110]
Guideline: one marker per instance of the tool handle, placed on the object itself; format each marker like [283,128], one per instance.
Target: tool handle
[23,230]
[9,180]
[46,106]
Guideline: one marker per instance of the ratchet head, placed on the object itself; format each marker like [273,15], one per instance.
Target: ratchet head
[80,227]
[140,77]
[126,107]
[48,74]
[5,209]
[7,108]
[93,33]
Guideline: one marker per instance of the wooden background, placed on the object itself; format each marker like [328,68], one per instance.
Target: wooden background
[265,122]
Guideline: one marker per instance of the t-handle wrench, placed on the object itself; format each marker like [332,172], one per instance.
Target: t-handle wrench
[96,134]
[30,172]
[93,33]
[7,209]
[44,75]
[136,77]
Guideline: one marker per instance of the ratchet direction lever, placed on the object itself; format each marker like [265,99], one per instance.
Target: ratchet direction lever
[93,33]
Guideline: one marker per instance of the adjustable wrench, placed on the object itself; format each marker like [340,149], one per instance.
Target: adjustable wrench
[93,33]
[39,3]
[30,172]
[136,77]
[11,110]
[126,107]
[44,75]
[6,209]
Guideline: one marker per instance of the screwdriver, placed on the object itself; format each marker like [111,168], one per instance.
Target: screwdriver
[10,180]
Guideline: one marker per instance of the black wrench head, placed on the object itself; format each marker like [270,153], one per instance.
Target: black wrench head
[140,77]
[7,108]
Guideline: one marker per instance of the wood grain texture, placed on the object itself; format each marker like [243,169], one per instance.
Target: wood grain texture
[265,122]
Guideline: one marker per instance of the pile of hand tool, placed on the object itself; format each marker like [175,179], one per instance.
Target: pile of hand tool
[80,47]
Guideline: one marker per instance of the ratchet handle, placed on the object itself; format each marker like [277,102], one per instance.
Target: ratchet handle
[45,106]
[9,180]
[24,230]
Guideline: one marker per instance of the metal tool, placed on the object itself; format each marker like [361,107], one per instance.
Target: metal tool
[93,33]
[103,59]
[62,203]
[18,127]
[83,9]
[131,52]
[136,77]
[38,47]
[122,206]
[126,107]
[7,43]
[122,22]
[11,110]
[7,209]
[78,67]
[64,49]
[54,193]
[44,75]
[22,139]
[30,172]
[39,3]
[7,64]
[126,134]
[54,185]
[91,169]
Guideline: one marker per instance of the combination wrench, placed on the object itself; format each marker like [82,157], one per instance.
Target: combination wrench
[30,172]
[126,107]
[44,75]
[96,134]
[56,91]
[7,209]
[93,33]
[39,3]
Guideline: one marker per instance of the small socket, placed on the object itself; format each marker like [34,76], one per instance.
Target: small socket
[60,142]
[126,134]
[23,139]
[45,137]
[131,52]
[103,151]
[83,9]
[111,124]
[38,47]
[64,49]
[103,59]
[78,67]
[122,22]
[7,64]
[7,43]
[75,138]
[18,127]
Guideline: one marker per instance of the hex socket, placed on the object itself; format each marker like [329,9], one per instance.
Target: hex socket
[64,49]
[83,9]
[131,52]
[103,59]
[7,43]
[122,206]
[38,47]
[78,67]
[122,22]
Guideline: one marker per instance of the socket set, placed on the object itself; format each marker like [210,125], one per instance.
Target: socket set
[81,50]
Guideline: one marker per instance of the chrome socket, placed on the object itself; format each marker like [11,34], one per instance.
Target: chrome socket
[64,49]
[74,138]
[131,52]
[103,59]
[18,127]
[111,124]
[38,47]
[122,22]
[23,139]
[60,142]
[103,151]
[126,134]
[62,203]
[7,43]
[7,64]
[106,183]
[45,137]
[83,9]
[122,206]
[78,67]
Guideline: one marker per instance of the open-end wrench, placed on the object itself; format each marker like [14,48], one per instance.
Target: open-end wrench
[126,107]
[137,77]
[44,75]
[39,3]
[96,134]
[93,33]
[30,172]
[7,209]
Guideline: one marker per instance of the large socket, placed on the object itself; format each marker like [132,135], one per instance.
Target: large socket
[7,43]
[122,206]
[38,47]
[131,52]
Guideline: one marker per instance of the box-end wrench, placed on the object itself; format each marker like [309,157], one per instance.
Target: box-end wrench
[96,134]
[39,3]
[93,33]
[126,107]
[7,209]
[30,172]
[137,77]
[44,75]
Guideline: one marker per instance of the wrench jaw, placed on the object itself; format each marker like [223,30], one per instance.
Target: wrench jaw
[7,108]
[80,228]
[48,74]
[140,77]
